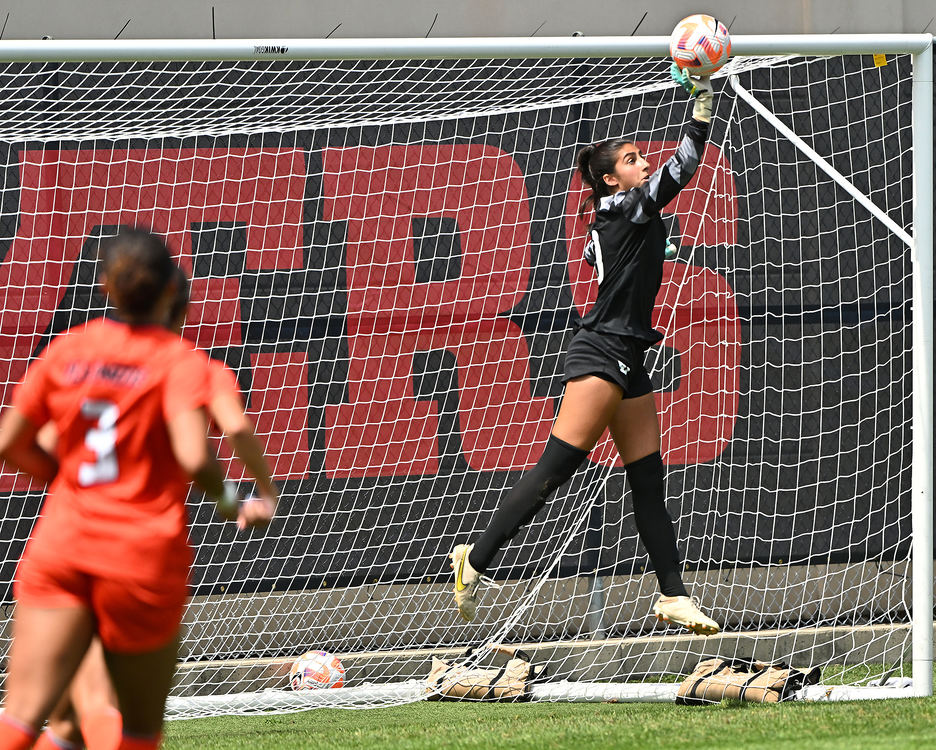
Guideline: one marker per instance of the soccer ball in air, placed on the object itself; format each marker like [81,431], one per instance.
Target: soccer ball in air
[700,44]
[315,670]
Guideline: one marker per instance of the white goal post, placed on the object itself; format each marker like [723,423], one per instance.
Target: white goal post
[383,244]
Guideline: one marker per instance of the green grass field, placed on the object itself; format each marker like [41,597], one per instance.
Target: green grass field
[903,723]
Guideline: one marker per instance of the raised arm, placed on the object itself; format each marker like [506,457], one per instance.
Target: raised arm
[675,174]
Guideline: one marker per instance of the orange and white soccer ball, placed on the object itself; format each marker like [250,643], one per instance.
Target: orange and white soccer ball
[316,670]
[700,44]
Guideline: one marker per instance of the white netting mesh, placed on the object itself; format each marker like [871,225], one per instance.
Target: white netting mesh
[388,255]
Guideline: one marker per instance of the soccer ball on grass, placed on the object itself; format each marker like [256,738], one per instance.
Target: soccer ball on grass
[316,670]
[700,44]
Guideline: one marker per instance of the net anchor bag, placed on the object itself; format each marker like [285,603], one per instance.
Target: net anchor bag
[719,679]
[450,680]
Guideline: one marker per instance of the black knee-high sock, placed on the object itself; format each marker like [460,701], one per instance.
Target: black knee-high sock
[557,464]
[654,525]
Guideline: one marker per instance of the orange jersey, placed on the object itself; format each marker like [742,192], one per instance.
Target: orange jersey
[117,504]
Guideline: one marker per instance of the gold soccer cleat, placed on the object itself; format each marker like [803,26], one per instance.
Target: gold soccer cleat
[467,580]
[681,610]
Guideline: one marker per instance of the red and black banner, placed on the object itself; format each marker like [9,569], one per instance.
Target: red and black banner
[396,301]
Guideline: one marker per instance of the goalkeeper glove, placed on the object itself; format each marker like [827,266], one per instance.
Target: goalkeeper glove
[700,88]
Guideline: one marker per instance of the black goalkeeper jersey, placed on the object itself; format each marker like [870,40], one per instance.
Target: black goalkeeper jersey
[628,242]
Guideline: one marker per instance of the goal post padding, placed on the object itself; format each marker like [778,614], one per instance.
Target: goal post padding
[387,253]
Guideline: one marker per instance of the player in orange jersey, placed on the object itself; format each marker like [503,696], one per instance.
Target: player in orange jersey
[110,555]
[89,710]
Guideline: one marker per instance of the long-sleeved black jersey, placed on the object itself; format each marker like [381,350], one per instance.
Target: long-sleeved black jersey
[628,241]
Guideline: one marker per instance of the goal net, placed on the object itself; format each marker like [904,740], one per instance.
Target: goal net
[388,255]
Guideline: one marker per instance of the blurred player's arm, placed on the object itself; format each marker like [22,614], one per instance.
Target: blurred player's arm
[227,411]
[18,447]
[188,435]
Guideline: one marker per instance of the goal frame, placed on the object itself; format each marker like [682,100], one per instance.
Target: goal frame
[919,46]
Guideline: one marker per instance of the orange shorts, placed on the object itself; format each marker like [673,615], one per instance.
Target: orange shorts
[133,617]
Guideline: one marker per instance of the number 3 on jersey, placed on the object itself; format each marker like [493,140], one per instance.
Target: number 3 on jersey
[102,439]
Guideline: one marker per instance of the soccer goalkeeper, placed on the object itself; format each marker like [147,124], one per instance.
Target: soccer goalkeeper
[606,384]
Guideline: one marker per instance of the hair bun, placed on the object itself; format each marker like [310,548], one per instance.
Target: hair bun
[584,160]
[138,266]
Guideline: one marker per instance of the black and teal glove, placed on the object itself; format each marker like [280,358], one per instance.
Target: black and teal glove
[699,87]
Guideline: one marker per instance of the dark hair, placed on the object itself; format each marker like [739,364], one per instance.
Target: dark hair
[594,162]
[138,268]
[181,300]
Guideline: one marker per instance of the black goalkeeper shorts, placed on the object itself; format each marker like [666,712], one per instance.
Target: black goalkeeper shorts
[619,359]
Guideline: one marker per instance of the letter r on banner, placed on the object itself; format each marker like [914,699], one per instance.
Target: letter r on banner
[383,429]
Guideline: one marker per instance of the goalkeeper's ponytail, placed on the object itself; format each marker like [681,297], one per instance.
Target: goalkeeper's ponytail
[594,162]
